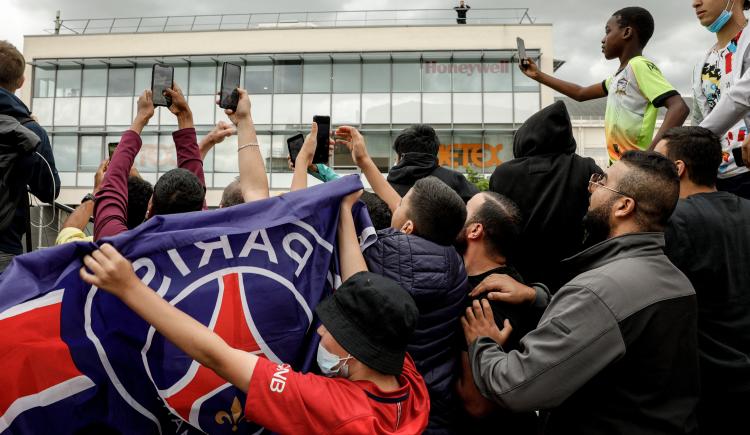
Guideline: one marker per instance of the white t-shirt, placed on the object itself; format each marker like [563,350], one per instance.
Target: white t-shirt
[716,79]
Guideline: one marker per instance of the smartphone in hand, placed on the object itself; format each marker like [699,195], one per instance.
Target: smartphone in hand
[162,78]
[294,144]
[324,136]
[230,81]
[738,160]
[521,52]
[111,149]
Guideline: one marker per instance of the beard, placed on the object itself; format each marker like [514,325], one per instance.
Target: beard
[596,225]
[462,242]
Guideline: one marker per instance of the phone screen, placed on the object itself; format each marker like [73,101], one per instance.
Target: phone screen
[521,50]
[111,146]
[324,134]
[230,81]
[162,77]
[295,145]
[738,160]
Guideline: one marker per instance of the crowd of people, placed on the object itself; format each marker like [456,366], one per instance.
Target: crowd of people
[567,299]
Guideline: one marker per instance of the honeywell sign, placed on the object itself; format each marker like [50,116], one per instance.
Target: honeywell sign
[434,67]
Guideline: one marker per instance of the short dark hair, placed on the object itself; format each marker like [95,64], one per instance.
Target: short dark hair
[436,210]
[639,19]
[699,149]
[12,66]
[419,138]
[654,184]
[501,220]
[380,213]
[139,193]
[232,194]
[178,191]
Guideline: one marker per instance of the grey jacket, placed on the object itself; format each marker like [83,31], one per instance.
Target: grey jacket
[615,352]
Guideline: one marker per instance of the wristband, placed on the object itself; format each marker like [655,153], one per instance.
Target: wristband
[251,144]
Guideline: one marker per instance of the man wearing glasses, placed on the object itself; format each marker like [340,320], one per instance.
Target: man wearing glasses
[616,349]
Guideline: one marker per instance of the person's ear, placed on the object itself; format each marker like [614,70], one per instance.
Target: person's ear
[21,81]
[627,33]
[624,207]
[407,227]
[681,168]
[476,231]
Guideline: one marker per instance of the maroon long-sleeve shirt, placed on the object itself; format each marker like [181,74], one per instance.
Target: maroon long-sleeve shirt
[111,207]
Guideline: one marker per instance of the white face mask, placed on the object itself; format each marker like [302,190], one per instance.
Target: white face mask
[327,361]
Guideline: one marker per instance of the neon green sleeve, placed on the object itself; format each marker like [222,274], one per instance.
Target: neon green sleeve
[651,82]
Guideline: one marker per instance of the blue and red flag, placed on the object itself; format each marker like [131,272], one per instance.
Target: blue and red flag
[75,359]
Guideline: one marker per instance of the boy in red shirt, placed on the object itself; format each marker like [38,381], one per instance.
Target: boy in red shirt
[371,386]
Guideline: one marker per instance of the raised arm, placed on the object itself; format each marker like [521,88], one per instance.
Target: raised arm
[111,272]
[253,180]
[185,139]
[350,255]
[572,90]
[354,142]
[221,131]
[304,159]
[81,216]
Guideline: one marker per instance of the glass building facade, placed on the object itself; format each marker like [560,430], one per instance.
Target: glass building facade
[475,100]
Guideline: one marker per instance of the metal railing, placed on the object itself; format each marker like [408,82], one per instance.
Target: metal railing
[362,18]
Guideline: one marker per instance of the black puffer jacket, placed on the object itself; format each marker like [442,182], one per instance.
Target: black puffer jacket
[435,277]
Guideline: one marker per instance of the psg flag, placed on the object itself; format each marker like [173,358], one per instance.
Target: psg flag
[75,359]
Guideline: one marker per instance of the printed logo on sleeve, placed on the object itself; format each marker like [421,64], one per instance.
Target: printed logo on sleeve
[278,381]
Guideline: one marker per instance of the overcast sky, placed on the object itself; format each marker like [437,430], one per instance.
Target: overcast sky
[578,24]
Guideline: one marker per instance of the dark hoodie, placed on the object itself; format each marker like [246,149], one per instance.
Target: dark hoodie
[415,166]
[549,182]
[31,171]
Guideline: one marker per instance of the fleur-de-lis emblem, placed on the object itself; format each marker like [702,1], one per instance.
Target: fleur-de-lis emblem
[233,418]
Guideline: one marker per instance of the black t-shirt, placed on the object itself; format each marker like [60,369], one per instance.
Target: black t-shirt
[462,10]
[523,318]
[708,239]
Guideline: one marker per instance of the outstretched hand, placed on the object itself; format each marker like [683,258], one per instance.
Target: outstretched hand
[243,108]
[503,288]
[480,322]
[353,140]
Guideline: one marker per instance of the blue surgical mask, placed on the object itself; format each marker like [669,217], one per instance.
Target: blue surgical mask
[327,361]
[722,19]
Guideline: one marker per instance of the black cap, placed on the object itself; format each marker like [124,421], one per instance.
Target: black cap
[373,318]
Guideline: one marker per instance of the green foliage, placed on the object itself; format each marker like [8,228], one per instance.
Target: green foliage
[477,179]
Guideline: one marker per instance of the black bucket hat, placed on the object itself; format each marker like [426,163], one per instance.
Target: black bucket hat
[373,318]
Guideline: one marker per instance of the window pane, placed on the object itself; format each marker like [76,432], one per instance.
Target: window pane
[407,77]
[436,108]
[121,81]
[379,148]
[147,157]
[94,81]
[92,110]
[65,150]
[202,79]
[467,108]
[259,79]
[261,108]
[498,108]
[347,77]
[497,76]
[525,106]
[345,109]
[66,111]
[467,152]
[436,76]
[91,153]
[315,104]
[167,153]
[407,108]
[288,77]
[119,110]
[279,154]
[203,108]
[69,82]
[498,149]
[225,157]
[377,77]
[317,77]
[44,82]
[42,109]
[142,79]
[521,83]
[286,109]
[376,108]
[467,76]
